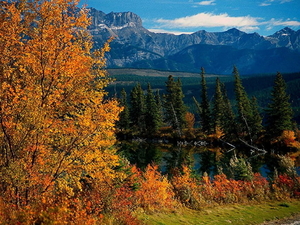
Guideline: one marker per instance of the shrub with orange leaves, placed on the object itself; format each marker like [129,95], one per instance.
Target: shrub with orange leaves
[187,188]
[285,186]
[155,191]
[257,189]
[222,190]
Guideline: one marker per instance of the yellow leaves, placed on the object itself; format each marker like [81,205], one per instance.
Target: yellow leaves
[190,120]
[206,179]
[289,138]
[155,192]
[55,125]
[218,133]
[288,135]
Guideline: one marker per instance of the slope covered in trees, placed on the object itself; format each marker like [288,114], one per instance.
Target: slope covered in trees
[232,119]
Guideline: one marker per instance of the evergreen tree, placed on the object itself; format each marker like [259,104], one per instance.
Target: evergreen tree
[198,106]
[218,106]
[124,121]
[248,123]
[175,109]
[228,123]
[137,109]
[159,107]
[205,107]
[256,122]
[243,103]
[223,116]
[152,113]
[279,112]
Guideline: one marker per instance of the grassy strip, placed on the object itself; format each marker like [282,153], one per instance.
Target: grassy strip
[230,214]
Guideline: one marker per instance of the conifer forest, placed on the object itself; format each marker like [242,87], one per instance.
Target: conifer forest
[76,150]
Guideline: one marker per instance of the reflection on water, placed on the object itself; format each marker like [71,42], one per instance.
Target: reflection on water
[200,158]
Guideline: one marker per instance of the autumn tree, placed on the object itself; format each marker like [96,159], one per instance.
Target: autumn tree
[279,111]
[55,126]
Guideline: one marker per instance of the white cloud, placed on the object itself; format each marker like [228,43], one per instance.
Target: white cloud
[168,31]
[224,21]
[210,20]
[264,4]
[287,23]
[270,2]
[209,2]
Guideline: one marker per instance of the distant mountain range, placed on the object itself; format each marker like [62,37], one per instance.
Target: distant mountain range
[136,47]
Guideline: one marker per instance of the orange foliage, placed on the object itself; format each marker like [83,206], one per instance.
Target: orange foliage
[190,120]
[289,138]
[285,186]
[57,132]
[220,190]
[187,188]
[218,133]
[155,191]
[55,127]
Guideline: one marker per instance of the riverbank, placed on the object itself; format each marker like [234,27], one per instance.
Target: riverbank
[268,213]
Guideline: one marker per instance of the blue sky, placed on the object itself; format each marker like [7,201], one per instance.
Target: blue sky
[186,16]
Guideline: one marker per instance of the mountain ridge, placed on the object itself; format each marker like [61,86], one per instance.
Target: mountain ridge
[136,47]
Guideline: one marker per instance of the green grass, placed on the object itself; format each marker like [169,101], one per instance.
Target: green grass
[230,214]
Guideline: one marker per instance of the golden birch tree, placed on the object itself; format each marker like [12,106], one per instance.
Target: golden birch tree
[55,125]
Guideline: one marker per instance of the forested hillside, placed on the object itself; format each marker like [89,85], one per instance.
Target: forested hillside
[258,85]
[193,91]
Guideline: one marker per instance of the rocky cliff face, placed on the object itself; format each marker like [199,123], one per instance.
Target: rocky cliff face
[286,38]
[135,46]
[114,20]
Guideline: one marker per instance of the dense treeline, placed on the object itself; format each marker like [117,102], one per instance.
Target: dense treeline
[149,114]
[258,85]
[58,154]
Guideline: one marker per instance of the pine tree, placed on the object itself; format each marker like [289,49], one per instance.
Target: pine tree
[218,106]
[229,126]
[279,112]
[205,107]
[124,121]
[256,122]
[175,109]
[243,103]
[248,117]
[152,113]
[159,107]
[137,109]
[223,116]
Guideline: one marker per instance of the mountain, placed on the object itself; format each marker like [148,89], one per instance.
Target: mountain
[136,47]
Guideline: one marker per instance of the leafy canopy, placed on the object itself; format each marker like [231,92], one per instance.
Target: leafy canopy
[55,126]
